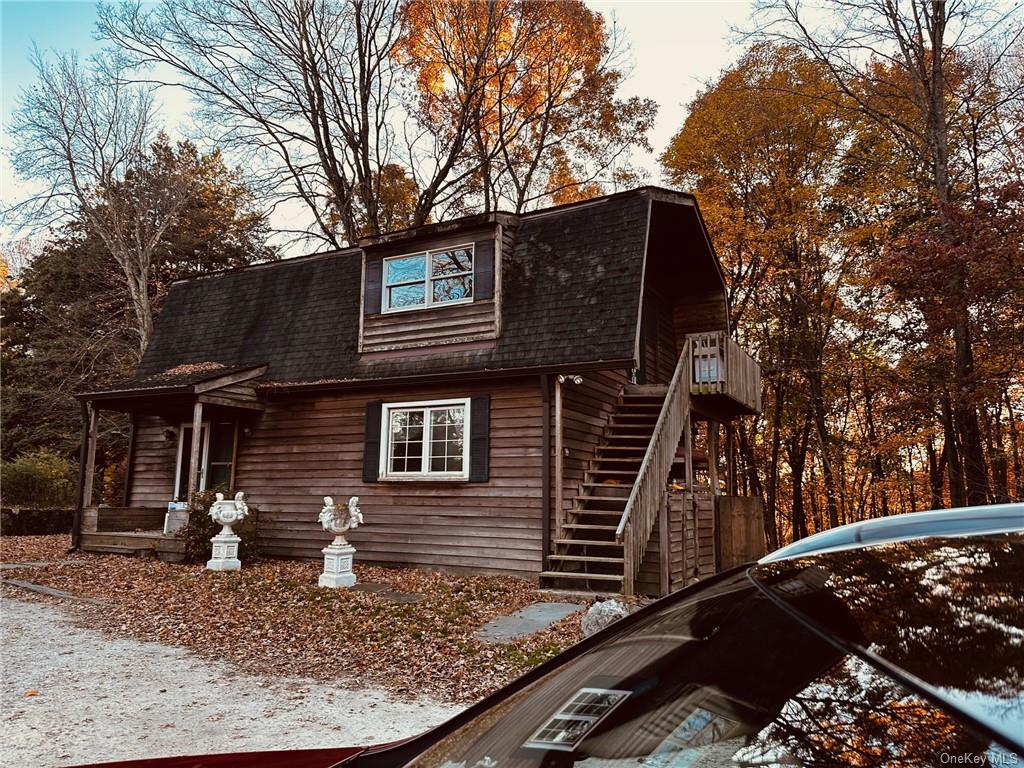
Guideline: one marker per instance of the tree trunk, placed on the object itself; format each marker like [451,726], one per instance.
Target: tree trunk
[1015,449]
[771,500]
[994,443]
[827,471]
[936,468]
[957,493]
[796,455]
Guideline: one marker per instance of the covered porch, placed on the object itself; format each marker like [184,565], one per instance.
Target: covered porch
[185,427]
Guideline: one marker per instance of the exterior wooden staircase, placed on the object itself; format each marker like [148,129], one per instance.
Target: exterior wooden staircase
[588,556]
[602,545]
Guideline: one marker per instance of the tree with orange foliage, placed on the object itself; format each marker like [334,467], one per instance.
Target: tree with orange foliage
[531,87]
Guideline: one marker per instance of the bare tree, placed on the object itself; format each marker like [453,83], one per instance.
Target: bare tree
[82,133]
[897,62]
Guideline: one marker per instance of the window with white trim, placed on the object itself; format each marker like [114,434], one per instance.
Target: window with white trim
[428,279]
[426,439]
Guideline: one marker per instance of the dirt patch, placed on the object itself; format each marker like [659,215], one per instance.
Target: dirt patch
[72,695]
[271,618]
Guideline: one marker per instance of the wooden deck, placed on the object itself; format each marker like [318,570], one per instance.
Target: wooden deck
[723,369]
[136,543]
[134,531]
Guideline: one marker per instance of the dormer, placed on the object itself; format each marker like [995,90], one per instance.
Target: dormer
[434,286]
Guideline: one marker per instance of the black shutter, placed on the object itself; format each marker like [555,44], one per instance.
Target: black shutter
[372,288]
[483,270]
[371,448]
[479,438]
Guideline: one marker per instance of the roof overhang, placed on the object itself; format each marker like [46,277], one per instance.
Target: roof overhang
[197,385]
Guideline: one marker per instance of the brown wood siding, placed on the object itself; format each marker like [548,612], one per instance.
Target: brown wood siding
[648,580]
[660,347]
[152,476]
[429,327]
[586,409]
[700,316]
[740,530]
[303,449]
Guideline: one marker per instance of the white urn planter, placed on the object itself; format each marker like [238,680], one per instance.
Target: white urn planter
[339,553]
[225,543]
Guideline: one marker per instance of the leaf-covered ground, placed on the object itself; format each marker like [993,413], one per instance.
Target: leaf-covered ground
[271,618]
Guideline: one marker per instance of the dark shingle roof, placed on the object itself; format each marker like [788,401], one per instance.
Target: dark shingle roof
[570,294]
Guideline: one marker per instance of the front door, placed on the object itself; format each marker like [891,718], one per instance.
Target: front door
[184,459]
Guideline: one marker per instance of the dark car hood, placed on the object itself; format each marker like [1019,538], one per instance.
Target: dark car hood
[947,614]
[296,758]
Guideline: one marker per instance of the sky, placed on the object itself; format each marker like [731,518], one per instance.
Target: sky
[676,47]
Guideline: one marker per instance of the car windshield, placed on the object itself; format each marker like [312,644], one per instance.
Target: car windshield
[724,678]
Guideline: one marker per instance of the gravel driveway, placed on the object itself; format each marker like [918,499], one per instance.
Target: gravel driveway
[114,699]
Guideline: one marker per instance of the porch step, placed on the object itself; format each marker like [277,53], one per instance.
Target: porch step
[581,575]
[598,512]
[627,472]
[590,542]
[645,390]
[587,559]
[591,527]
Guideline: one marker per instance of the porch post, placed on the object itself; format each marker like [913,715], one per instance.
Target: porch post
[83,454]
[90,454]
[730,458]
[195,456]
[713,456]
[559,490]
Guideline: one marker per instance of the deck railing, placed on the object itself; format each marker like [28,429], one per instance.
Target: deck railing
[721,366]
[648,494]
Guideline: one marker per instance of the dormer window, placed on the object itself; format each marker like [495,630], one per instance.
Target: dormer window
[427,279]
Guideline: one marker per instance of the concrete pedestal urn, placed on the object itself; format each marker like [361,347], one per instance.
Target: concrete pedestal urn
[339,553]
[225,543]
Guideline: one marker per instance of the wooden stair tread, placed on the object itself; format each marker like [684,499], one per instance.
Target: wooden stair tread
[590,526]
[598,512]
[580,575]
[590,542]
[586,559]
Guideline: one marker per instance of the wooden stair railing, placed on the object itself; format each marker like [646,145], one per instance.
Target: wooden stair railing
[648,493]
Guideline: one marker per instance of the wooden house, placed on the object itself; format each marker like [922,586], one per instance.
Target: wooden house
[515,394]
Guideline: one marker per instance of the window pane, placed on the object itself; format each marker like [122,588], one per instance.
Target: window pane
[406,295]
[446,431]
[453,262]
[222,442]
[406,441]
[218,477]
[406,269]
[453,288]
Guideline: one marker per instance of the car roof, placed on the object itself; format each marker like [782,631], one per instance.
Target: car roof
[960,521]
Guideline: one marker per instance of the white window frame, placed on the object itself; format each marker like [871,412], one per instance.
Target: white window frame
[201,484]
[428,281]
[385,472]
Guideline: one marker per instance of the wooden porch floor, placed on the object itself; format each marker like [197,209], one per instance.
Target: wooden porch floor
[137,543]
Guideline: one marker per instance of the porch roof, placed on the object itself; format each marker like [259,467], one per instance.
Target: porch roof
[194,379]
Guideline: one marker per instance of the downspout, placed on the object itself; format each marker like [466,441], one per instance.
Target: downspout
[76,522]
[545,472]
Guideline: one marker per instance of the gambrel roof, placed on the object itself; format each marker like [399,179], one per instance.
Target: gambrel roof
[570,294]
